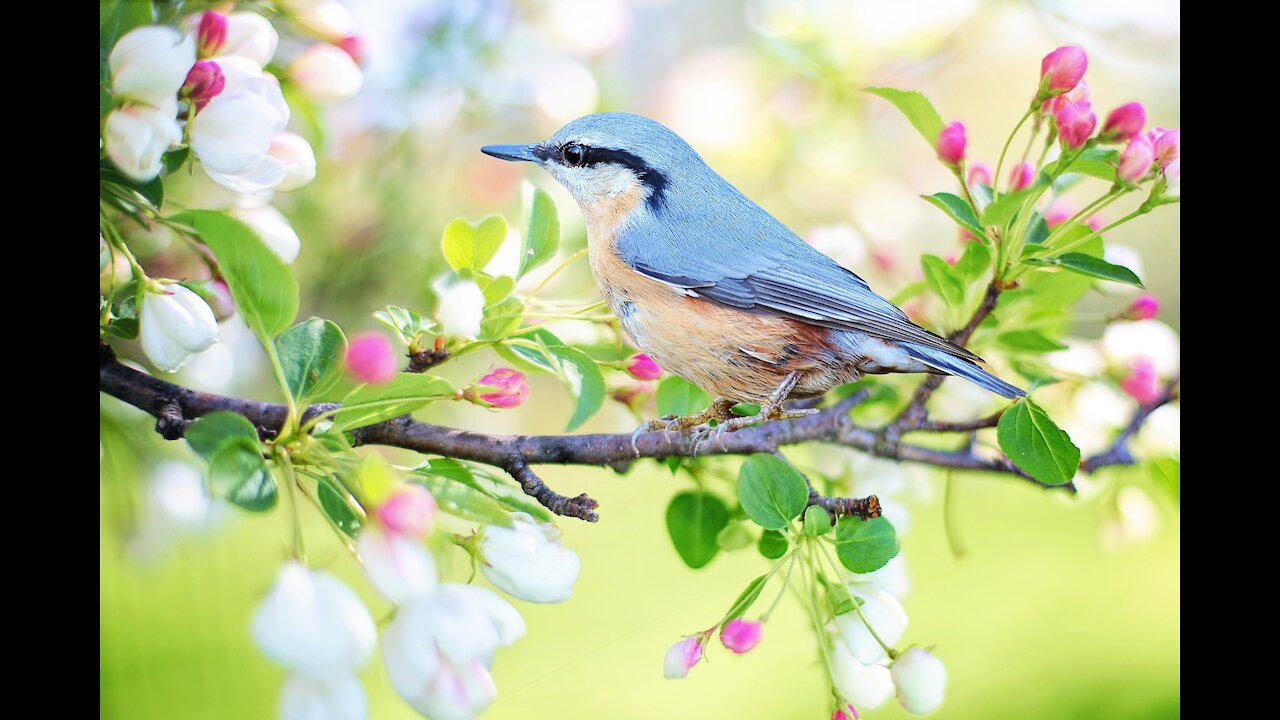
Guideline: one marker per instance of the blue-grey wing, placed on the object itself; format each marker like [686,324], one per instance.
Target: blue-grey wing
[741,256]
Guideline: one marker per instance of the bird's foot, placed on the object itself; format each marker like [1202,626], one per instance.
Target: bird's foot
[720,409]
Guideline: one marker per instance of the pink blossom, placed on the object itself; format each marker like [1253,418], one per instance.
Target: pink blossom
[1124,123]
[642,367]
[951,144]
[204,82]
[355,46]
[510,388]
[370,358]
[1076,122]
[979,174]
[840,713]
[1058,213]
[1136,159]
[1021,176]
[1167,146]
[681,657]
[1095,222]
[1079,93]
[741,635]
[1143,307]
[1141,383]
[1062,69]
[410,511]
[212,34]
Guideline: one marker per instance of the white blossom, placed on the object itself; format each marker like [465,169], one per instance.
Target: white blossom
[527,560]
[921,680]
[312,623]
[137,136]
[149,64]
[174,324]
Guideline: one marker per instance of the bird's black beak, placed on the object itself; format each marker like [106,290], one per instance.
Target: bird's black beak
[510,152]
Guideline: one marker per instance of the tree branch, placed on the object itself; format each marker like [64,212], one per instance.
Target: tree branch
[1118,453]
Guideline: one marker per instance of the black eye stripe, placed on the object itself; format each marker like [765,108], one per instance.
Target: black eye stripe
[650,176]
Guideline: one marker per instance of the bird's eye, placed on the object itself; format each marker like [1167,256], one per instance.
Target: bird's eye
[575,154]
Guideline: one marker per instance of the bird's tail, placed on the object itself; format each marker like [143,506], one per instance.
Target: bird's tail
[952,365]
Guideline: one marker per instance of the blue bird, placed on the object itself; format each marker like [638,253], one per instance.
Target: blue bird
[718,291]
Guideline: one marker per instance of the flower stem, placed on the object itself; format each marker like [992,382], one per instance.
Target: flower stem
[995,181]
[1076,243]
[567,262]
[836,569]
[291,480]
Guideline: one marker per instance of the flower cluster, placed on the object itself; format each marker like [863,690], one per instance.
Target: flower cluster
[202,91]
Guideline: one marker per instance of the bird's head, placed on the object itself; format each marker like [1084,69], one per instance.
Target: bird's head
[601,157]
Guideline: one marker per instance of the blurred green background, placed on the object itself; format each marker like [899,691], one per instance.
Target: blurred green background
[1060,607]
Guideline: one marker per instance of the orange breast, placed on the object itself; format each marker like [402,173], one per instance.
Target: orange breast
[729,352]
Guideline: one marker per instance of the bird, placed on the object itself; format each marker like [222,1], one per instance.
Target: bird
[715,289]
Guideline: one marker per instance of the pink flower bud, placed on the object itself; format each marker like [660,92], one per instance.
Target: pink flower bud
[681,658]
[642,367]
[1136,159]
[979,174]
[1167,145]
[1143,307]
[370,358]
[1076,122]
[632,395]
[217,295]
[1124,123]
[840,713]
[1095,222]
[951,144]
[1021,176]
[741,635]
[355,46]
[1062,69]
[510,388]
[410,511]
[1142,384]
[1058,213]
[212,34]
[204,82]
[1079,93]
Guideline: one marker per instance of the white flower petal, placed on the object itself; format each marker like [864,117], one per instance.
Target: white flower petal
[399,568]
[866,686]
[883,612]
[338,698]
[312,623]
[149,64]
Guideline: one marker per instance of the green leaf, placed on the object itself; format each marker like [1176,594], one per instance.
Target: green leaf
[1094,162]
[959,211]
[311,355]
[973,264]
[583,379]
[336,508]
[694,519]
[1005,207]
[1034,443]
[1059,290]
[464,501]
[1029,341]
[771,491]
[1097,267]
[238,473]
[499,320]
[865,545]
[496,289]
[817,521]
[736,536]
[526,351]
[509,496]
[838,596]
[210,432]
[1038,232]
[152,190]
[942,280]
[174,159]
[405,322]
[773,544]
[468,247]
[265,292]
[677,396]
[918,110]
[746,598]
[124,328]
[909,292]
[119,17]
[404,394]
[542,237]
